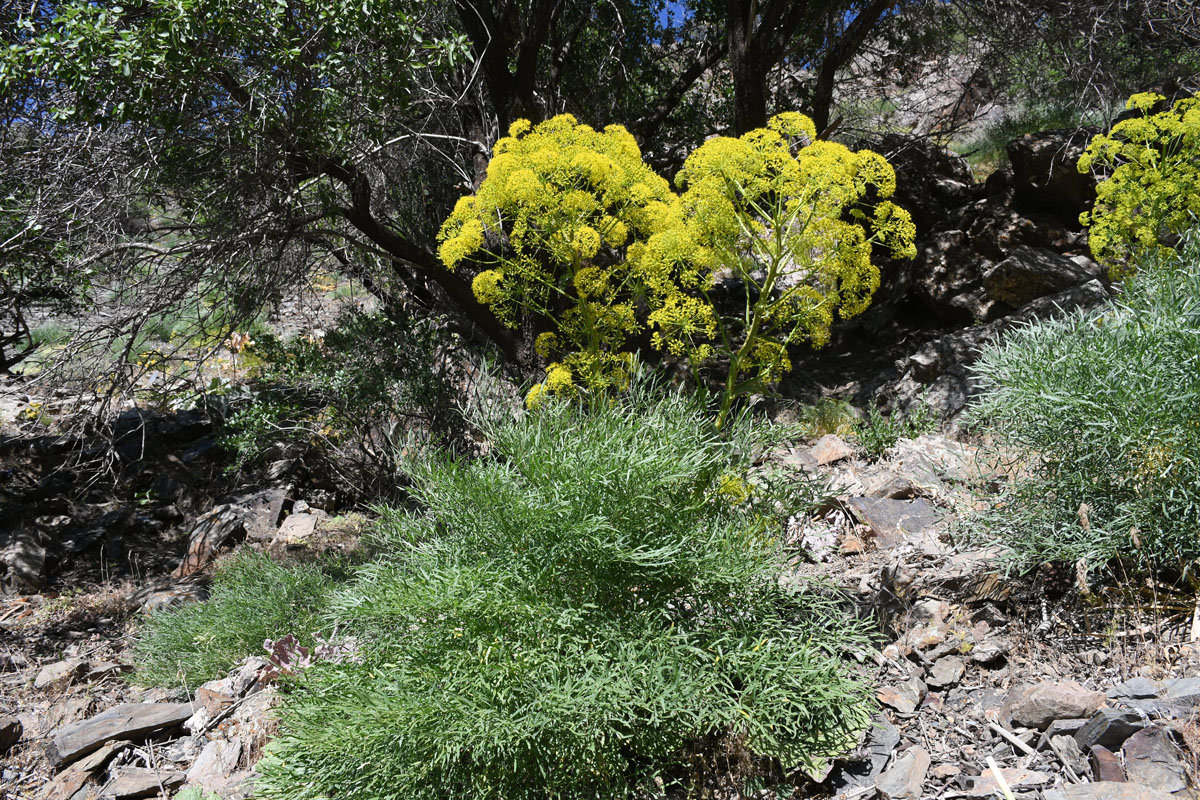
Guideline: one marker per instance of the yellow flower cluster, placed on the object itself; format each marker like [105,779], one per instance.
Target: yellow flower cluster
[567,200]
[794,220]
[586,234]
[1151,187]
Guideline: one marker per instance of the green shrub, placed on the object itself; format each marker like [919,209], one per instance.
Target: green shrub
[1106,405]
[828,415]
[253,599]
[877,434]
[591,607]
[50,333]
[355,396]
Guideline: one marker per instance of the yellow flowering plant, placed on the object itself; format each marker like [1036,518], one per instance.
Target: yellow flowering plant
[551,224]
[570,223]
[794,221]
[1150,192]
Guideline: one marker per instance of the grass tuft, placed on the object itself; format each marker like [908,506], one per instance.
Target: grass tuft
[253,598]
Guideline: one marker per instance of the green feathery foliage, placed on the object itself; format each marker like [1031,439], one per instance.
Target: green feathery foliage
[587,610]
[253,599]
[1106,405]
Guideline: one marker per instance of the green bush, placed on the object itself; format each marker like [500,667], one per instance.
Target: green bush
[590,608]
[877,434]
[355,396]
[1106,405]
[253,599]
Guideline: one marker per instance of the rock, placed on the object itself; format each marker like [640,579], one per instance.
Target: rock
[22,564]
[223,525]
[986,784]
[1138,688]
[133,782]
[99,670]
[1046,702]
[864,765]
[10,733]
[1044,172]
[60,673]
[830,449]
[1105,765]
[1114,791]
[939,376]
[218,695]
[160,598]
[887,484]
[72,779]
[904,697]
[904,779]
[930,180]
[216,763]
[298,529]
[947,671]
[1067,750]
[897,522]
[1061,727]
[989,650]
[1184,690]
[1110,728]
[931,611]
[943,771]
[127,722]
[262,510]
[1030,273]
[1152,759]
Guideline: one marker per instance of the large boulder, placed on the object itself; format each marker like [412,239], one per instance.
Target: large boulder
[930,180]
[1045,173]
[939,375]
[1030,273]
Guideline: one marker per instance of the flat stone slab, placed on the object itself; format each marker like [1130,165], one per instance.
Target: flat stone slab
[1110,791]
[128,722]
[896,522]
[132,782]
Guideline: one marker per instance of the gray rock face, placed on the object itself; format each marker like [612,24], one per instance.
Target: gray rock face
[223,525]
[22,563]
[1105,765]
[904,779]
[10,733]
[1030,273]
[133,782]
[216,763]
[1111,791]
[830,449]
[1152,759]
[939,373]
[896,522]
[1044,171]
[128,722]
[1040,705]
[1109,727]
[60,673]
[946,671]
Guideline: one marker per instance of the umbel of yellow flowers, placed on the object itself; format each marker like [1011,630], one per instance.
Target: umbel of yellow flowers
[570,223]
[1151,193]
